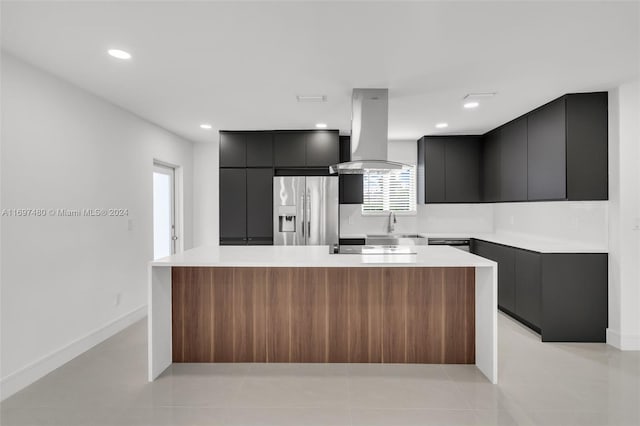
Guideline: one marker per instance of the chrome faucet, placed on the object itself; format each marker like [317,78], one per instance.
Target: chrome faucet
[392,222]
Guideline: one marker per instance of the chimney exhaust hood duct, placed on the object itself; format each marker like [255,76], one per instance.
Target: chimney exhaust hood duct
[369,132]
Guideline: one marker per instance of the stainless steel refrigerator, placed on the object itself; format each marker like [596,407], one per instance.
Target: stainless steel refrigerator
[305,210]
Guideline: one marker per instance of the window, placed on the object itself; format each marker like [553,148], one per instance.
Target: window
[389,191]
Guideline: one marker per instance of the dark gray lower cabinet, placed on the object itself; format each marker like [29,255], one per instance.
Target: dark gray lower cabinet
[527,286]
[233,204]
[505,258]
[574,297]
[563,296]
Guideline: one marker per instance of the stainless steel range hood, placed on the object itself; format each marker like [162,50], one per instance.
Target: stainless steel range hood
[369,131]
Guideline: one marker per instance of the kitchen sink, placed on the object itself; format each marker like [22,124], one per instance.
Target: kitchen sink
[396,239]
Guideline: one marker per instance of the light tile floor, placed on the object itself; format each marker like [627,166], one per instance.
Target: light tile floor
[540,384]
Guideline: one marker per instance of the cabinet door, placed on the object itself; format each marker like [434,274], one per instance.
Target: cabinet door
[323,148]
[587,146]
[546,148]
[259,149]
[513,167]
[462,169]
[351,187]
[232,149]
[434,170]
[259,204]
[491,166]
[505,257]
[233,204]
[528,286]
[289,149]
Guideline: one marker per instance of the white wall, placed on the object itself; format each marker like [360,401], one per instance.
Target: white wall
[432,218]
[624,214]
[206,187]
[583,222]
[65,148]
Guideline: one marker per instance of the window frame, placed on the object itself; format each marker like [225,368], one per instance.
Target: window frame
[413,212]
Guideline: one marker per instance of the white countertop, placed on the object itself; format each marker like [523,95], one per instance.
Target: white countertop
[318,256]
[527,242]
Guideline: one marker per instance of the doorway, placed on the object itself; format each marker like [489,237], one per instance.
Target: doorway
[164,211]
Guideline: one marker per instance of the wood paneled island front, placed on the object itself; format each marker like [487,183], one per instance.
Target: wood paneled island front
[302,304]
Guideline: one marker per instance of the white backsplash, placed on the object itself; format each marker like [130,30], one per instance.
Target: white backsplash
[432,218]
[578,221]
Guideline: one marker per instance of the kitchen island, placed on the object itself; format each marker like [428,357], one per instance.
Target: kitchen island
[302,304]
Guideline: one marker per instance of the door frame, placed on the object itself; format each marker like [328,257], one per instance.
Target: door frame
[178,201]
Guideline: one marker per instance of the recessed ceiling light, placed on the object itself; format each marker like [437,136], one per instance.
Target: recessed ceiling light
[470,105]
[120,54]
[442,125]
[206,126]
[321,125]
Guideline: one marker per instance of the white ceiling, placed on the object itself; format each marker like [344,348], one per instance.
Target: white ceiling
[240,65]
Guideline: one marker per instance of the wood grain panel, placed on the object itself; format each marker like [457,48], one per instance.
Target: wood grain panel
[197,325]
[395,315]
[337,315]
[249,314]
[457,297]
[425,316]
[365,315]
[221,312]
[309,316]
[279,313]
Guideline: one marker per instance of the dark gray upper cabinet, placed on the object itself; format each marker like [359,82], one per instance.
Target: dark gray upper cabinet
[513,167]
[259,149]
[451,169]
[351,186]
[246,149]
[558,151]
[233,149]
[323,148]
[259,204]
[312,148]
[290,149]
[587,146]
[462,169]
[546,152]
[491,166]
[233,204]
[528,289]
[432,188]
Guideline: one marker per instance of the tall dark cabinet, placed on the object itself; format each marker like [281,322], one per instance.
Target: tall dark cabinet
[248,162]
[233,206]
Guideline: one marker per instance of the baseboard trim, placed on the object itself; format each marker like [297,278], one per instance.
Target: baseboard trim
[22,378]
[624,342]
